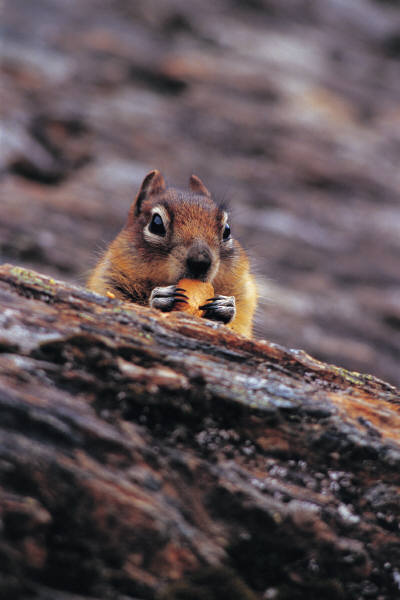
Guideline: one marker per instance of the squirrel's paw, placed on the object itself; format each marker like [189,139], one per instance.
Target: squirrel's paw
[220,308]
[164,298]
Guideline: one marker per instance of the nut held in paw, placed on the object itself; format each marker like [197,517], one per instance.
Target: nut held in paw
[198,292]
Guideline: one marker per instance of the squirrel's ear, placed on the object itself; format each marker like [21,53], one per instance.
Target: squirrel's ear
[198,187]
[153,183]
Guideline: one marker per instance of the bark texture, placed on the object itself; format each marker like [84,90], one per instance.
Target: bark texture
[148,456]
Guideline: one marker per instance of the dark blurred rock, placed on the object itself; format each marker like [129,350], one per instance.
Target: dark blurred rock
[288,110]
[58,147]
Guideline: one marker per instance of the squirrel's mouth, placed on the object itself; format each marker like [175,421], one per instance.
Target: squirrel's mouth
[206,276]
[189,275]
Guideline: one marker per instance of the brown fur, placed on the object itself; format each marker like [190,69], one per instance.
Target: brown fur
[132,266]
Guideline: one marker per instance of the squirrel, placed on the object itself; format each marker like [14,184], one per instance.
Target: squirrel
[172,234]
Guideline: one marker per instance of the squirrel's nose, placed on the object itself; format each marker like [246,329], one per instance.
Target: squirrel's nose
[198,261]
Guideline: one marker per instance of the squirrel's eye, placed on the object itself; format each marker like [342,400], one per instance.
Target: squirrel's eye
[227,232]
[156,225]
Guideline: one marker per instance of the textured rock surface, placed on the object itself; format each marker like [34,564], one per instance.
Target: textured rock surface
[149,456]
[290,110]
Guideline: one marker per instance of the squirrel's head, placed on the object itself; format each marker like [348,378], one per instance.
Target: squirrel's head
[179,234]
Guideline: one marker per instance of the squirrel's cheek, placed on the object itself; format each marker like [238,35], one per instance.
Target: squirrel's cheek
[173,269]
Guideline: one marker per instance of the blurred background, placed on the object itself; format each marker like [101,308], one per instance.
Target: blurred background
[290,111]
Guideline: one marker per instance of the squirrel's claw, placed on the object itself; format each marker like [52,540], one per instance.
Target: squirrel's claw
[220,308]
[164,298]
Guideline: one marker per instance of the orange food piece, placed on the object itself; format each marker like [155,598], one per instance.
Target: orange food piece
[198,292]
